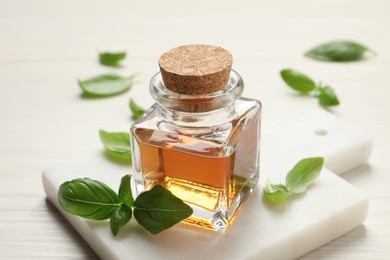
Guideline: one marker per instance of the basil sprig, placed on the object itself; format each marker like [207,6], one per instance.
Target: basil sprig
[305,85]
[88,199]
[156,210]
[106,85]
[339,51]
[116,142]
[111,59]
[117,146]
[326,96]
[298,81]
[297,180]
[136,109]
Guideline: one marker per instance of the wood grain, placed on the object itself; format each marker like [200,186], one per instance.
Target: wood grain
[46,45]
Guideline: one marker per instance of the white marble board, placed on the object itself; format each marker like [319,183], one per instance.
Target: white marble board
[330,208]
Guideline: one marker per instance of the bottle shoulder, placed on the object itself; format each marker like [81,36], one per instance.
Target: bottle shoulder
[213,134]
[243,108]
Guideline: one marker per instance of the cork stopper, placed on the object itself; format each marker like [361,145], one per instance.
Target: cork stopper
[196,69]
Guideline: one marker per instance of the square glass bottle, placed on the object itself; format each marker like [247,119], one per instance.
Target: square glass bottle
[203,147]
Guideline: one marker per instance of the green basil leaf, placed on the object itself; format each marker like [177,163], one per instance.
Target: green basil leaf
[298,81]
[303,173]
[275,193]
[88,198]
[136,110]
[118,143]
[118,158]
[120,218]
[158,209]
[339,51]
[327,96]
[111,59]
[125,194]
[106,85]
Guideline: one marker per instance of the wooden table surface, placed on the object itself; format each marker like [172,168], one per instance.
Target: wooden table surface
[45,46]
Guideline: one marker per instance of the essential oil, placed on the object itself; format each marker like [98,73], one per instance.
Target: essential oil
[200,140]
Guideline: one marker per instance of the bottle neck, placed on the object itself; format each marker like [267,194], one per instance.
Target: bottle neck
[175,103]
[200,119]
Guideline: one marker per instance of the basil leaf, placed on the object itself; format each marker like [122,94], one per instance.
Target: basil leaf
[136,110]
[303,173]
[118,143]
[338,51]
[88,198]
[125,194]
[158,209]
[327,96]
[298,81]
[275,193]
[111,59]
[106,85]
[120,218]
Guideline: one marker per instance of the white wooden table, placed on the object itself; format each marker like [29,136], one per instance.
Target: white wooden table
[46,45]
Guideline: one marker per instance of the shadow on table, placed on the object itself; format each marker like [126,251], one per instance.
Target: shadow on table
[342,245]
[84,249]
[361,172]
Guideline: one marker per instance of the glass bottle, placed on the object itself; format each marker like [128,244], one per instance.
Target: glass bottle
[203,148]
